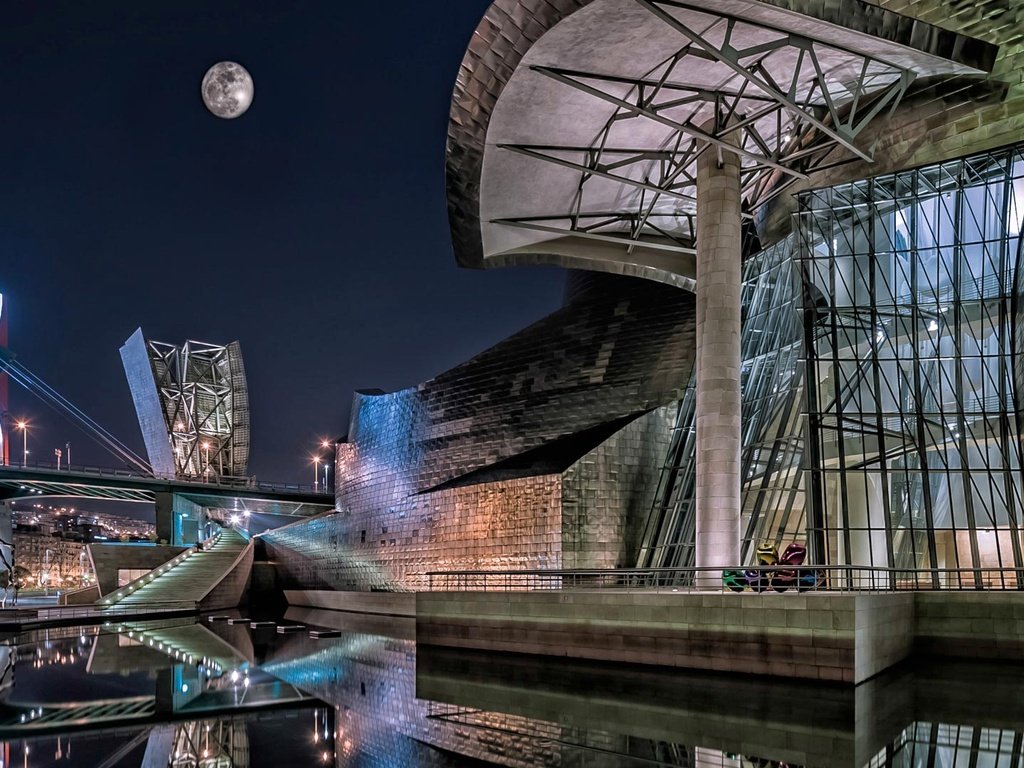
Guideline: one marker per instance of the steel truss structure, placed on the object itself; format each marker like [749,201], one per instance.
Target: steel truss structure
[217,743]
[913,415]
[206,406]
[787,104]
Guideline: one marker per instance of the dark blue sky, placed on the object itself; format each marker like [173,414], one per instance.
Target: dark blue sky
[313,229]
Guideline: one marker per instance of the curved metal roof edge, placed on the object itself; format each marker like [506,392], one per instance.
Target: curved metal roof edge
[509,28]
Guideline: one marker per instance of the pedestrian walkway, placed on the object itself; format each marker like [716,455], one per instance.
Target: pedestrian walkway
[192,578]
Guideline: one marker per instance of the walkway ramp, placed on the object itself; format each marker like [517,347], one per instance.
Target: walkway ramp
[212,579]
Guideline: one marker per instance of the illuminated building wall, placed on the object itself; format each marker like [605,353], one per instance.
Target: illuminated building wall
[913,367]
[541,452]
[51,562]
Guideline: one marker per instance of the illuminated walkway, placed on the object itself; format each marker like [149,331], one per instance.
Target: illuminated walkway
[192,579]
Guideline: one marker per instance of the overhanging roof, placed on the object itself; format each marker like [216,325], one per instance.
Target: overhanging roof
[575,125]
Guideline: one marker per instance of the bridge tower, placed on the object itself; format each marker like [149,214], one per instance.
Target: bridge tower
[5,448]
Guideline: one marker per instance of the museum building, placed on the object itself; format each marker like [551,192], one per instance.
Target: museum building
[793,310]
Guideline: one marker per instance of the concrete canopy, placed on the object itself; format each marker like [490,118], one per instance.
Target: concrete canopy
[576,125]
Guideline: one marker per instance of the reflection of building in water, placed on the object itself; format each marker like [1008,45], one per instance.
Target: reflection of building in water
[371,680]
[208,744]
[931,745]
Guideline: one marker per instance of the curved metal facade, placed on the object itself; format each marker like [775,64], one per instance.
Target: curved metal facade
[572,127]
[541,452]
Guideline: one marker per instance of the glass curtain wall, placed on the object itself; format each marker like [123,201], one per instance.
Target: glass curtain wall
[771,379]
[912,296]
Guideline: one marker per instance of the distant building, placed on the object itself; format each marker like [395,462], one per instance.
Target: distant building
[51,562]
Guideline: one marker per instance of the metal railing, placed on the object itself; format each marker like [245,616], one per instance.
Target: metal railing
[218,481]
[757,579]
[96,611]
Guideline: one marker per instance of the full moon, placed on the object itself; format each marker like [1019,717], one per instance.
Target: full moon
[227,89]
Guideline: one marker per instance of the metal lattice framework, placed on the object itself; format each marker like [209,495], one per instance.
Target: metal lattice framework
[219,743]
[891,319]
[913,418]
[205,402]
[576,124]
[787,104]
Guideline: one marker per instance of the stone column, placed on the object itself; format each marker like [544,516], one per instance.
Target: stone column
[719,279]
[165,517]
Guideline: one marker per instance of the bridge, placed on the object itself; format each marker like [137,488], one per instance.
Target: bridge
[87,482]
[192,404]
[181,504]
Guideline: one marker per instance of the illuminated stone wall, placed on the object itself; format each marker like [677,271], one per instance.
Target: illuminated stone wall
[541,452]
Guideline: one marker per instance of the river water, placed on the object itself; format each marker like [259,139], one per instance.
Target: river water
[207,693]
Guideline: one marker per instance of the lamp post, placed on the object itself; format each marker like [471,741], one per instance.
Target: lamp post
[326,467]
[23,426]
[206,458]
[58,453]
[316,472]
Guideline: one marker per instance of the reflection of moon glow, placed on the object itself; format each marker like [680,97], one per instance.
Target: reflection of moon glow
[227,89]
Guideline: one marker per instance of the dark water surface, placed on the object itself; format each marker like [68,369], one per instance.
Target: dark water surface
[217,695]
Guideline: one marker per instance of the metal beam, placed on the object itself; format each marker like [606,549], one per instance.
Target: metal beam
[692,130]
[624,241]
[732,62]
[530,151]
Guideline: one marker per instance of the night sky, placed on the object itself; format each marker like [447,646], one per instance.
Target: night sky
[313,229]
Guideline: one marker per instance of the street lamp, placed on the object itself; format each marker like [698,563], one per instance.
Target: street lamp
[23,426]
[316,472]
[326,467]
[206,457]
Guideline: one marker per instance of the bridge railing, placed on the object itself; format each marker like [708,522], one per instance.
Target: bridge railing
[214,481]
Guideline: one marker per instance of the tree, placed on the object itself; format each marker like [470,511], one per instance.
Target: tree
[21,575]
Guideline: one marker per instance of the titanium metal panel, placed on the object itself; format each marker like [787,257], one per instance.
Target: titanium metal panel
[148,406]
[541,452]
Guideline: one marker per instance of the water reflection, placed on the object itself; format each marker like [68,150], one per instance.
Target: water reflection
[151,694]
[191,694]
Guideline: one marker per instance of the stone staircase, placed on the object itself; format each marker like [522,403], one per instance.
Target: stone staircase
[187,581]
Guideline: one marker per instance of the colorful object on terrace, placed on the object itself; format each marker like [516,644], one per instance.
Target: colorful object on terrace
[774,572]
